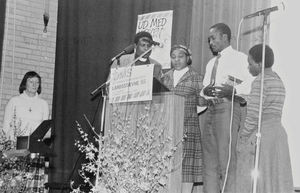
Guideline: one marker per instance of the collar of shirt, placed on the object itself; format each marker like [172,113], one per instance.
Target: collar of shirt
[142,61]
[226,50]
[233,63]
[24,95]
[178,74]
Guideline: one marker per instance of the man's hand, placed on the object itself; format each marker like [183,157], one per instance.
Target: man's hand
[224,91]
[209,91]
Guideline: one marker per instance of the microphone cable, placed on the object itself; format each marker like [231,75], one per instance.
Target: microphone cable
[230,138]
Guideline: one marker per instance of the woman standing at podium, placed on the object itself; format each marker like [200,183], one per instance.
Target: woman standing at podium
[23,114]
[184,81]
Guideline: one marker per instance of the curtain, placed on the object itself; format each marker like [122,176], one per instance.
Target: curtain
[89,33]
[2,27]
[209,12]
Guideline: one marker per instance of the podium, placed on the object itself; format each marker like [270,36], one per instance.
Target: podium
[165,111]
[33,143]
[36,142]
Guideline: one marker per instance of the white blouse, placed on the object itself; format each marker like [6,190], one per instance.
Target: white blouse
[24,114]
[178,74]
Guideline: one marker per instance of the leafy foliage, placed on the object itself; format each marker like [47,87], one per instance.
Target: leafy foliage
[127,159]
[13,170]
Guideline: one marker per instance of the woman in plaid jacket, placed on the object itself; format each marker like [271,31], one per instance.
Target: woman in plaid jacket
[186,82]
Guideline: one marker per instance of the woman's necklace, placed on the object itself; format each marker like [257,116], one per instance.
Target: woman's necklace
[30,95]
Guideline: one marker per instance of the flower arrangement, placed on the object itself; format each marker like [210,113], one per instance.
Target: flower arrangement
[127,160]
[13,170]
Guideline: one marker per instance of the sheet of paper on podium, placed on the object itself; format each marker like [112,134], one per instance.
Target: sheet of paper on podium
[129,84]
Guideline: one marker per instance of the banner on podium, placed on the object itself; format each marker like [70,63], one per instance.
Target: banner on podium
[129,84]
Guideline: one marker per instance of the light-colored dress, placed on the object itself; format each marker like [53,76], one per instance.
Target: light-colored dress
[275,175]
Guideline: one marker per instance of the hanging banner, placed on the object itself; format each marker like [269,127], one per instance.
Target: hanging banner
[159,25]
[128,84]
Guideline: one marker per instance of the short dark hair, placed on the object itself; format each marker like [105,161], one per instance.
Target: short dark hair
[256,53]
[28,75]
[223,29]
[142,34]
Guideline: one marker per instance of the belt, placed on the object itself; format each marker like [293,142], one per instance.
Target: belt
[214,101]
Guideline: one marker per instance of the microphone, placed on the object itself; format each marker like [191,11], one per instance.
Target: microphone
[128,50]
[262,12]
[156,43]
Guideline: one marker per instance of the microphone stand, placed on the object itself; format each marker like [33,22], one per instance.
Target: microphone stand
[94,93]
[255,171]
[258,134]
[103,88]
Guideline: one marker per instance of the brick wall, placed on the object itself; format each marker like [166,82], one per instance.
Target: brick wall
[26,47]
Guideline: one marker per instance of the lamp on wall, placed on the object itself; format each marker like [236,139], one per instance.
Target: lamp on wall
[46,15]
[46,20]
